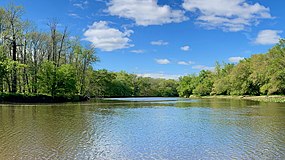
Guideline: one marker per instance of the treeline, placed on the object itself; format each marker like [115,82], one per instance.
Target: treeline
[261,74]
[54,63]
[122,84]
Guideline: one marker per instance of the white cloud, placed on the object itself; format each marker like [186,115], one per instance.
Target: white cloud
[160,75]
[185,48]
[106,38]
[162,61]
[145,12]
[74,15]
[185,63]
[137,51]
[235,59]
[202,67]
[81,5]
[268,37]
[228,15]
[182,63]
[159,43]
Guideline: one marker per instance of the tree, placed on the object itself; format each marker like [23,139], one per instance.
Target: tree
[88,58]
[167,88]
[205,83]
[221,85]
[101,83]
[146,87]
[276,67]
[240,84]
[13,33]
[186,85]
[260,74]
[45,76]
[3,67]
[66,81]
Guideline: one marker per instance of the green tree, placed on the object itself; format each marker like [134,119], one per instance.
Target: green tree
[186,85]
[4,63]
[66,81]
[240,82]
[101,83]
[205,83]
[144,86]
[13,32]
[45,75]
[276,67]
[167,88]
[221,85]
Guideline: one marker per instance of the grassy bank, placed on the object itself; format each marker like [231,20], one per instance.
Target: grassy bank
[275,98]
[39,98]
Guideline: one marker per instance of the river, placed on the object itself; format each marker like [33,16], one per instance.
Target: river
[144,128]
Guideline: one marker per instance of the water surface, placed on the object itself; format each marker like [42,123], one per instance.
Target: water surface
[144,128]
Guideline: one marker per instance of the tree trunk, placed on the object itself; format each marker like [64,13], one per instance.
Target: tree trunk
[1,84]
[14,72]
[35,80]
[24,70]
[54,52]
[83,77]
[61,46]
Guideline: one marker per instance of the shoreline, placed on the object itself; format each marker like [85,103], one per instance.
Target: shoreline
[273,98]
[7,98]
[39,98]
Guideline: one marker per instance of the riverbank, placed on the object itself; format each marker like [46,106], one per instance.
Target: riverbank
[275,98]
[39,98]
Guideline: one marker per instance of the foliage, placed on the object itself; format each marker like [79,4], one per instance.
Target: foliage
[205,83]
[186,85]
[41,63]
[122,84]
[66,82]
[261,74]
[45,76]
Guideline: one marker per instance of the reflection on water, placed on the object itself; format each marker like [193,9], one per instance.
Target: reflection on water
[152,128]
[144,99]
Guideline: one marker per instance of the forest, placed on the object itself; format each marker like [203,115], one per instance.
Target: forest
[261,74]
[55,64]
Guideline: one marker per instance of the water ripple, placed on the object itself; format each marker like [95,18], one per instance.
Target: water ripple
[201,129]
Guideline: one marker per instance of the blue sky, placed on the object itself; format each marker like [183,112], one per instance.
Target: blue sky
[165,38]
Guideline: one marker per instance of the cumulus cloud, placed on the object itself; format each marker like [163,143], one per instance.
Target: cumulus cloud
[185,63]
[106,38]
[268,37]
[235,59]
[228,15]
[159,43]
[202,67]
[162,61]
[145,12]
[185,48]
[160,75]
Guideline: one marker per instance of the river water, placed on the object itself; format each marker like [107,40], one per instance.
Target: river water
[144,128]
